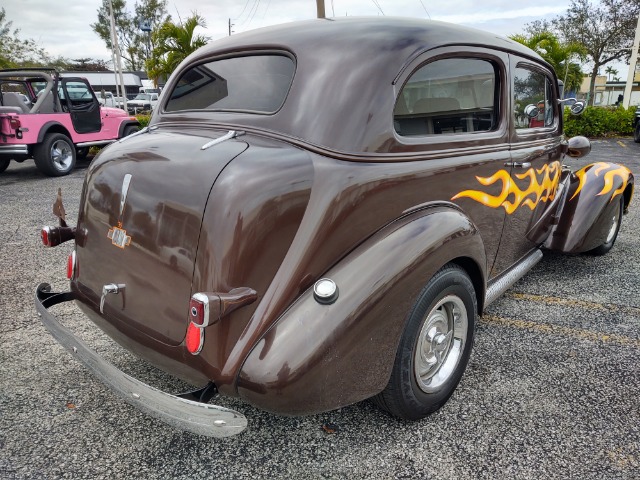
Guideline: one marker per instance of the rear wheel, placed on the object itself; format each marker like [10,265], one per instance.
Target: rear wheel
[636,132]
[55,156]
[130,130]
[4,164]
[434,348]
[615,219]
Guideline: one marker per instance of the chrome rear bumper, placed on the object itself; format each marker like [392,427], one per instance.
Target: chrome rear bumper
[14,149]
[195,417]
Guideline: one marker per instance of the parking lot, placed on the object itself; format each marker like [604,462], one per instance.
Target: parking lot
[552,389]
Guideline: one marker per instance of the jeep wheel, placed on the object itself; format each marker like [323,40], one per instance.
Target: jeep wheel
[81,153]
[130,130]
[636,132]
[434,348]
[615,219]
[4,164]
[56,155]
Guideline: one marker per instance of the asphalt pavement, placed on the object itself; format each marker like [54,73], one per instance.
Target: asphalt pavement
[552,389]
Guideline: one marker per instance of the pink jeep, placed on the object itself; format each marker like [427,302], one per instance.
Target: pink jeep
[54,120]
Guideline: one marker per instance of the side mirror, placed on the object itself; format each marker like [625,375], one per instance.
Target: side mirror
[578,105]
[577,108]
[531,111]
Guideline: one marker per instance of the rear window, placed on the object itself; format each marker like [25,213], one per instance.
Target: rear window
[449,96]
[255,83]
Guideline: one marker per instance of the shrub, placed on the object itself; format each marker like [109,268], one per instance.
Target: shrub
[143,119]
[599,122]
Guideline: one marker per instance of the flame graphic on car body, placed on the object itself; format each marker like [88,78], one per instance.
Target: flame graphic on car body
[543,184]
[611,171]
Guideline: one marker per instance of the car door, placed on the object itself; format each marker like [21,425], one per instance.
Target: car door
[453,108]
[82,104]
[532,176]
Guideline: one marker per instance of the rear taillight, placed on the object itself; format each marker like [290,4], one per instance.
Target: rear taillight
[194,339]
[198,319]
[71,265]
[199,310]
[54,236]
[14,122]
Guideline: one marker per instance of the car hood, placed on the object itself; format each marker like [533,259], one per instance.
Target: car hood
[140,220]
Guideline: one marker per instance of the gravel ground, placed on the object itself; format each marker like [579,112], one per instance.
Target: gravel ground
[552,389]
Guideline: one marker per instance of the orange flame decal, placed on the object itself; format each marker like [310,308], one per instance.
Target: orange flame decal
[611,171]
[543,184]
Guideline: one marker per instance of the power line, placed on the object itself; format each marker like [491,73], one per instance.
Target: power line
[375,2]
[425,9]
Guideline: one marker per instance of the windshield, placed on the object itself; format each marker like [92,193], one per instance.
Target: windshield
[143,96]
[257,83]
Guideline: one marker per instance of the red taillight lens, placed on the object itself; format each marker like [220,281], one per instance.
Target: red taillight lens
[198,310]
[54,236]
[14,123]
[71,265]
[44,234]
[194,338]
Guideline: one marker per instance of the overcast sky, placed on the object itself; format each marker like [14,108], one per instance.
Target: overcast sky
[63,28]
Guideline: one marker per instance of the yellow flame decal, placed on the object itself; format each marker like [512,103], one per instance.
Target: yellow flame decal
[543,184]
[611,171]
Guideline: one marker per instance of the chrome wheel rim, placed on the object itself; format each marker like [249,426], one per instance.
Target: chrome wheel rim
[61,155]
[613,228]
[441,343]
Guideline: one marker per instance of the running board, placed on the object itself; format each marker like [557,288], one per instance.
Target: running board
[506,280]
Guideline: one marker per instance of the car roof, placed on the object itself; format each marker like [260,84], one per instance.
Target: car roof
[344,66]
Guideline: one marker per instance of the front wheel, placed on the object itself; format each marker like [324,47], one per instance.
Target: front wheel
[434,348]
[81,153]
[4,164]
[615,219]
[56,155]
[636,132]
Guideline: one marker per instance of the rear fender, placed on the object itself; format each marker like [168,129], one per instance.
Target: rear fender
[593,193]
[320,357]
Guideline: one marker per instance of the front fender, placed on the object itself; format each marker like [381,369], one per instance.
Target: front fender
[592,197]
[320,357]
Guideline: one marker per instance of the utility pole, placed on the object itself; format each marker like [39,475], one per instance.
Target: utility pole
[230,25]
[632,67]
[116,48]
[320,8]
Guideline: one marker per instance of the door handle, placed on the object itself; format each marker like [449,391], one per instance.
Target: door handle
[518,164]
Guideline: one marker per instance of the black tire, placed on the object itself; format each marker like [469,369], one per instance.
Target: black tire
[130,130]
[81,153]
[636,132]
[614,227]
[4,164]
[56,155]
[449,298]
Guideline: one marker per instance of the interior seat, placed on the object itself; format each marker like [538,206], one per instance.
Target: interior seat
[12,99]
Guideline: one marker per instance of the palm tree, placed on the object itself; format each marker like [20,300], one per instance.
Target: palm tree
[558,54]
[174,44]
[610,71]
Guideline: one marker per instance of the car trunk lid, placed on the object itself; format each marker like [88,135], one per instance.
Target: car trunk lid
[140,224]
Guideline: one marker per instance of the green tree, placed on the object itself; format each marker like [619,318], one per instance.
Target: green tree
[19,52]
[611,72]
[556,53]
[605,29]
[174,42]
[135,45]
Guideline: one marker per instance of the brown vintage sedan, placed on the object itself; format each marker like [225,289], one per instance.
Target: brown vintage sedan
[318,213]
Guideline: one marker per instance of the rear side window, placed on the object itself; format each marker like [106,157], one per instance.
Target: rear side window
[255,83]
[531,87]
[448,96]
